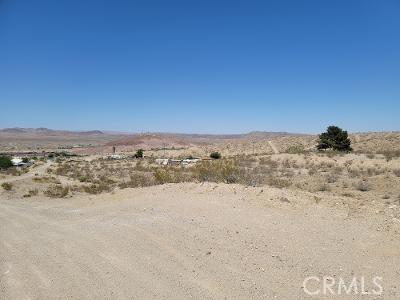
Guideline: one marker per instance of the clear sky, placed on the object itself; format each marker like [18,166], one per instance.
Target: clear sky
[200,66]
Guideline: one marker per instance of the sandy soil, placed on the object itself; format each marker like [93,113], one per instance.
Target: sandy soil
[188,241]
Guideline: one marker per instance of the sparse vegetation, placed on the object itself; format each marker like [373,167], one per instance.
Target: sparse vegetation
[57,191]
[297,149]
[7,186]
[31,193]
[363,186]
[396,172]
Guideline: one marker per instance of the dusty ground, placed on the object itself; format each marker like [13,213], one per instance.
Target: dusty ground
[188,241]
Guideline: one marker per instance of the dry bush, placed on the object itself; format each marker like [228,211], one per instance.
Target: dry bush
[349,195]
[96,188]
[396,172]
[278,182]
[7,186]
[269,162]
[390,154]
[371,171]
[31,193]
[140,166]
[46,179]
[324,187]
[172,175]
[84,178]
[163,176]
[312,171]
[354,172]
[218,171]
[57,191]
[138,180]
[362,186]
[331,178]
[297,149]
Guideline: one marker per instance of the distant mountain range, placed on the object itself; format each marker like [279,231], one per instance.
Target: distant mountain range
[52,132]
[48,132]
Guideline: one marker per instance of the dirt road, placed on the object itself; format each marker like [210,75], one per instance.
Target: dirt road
[185,241]
[273,147]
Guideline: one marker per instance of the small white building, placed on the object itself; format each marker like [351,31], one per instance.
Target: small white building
[189,161]
[18,162]
[162,161]
[115,156]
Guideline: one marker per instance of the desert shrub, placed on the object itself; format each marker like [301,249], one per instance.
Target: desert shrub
[324,187]
[396,172]
[56,191]
[217,171]
[162,176]
[46,179]
[5,162]
[390,154]
[96,188]
[286,163]
[278,182]
[31,193]
[354,172]
[362,186]
[338,170]
[349,195]
[331,178]
[171,175]
[312,171]
[370,155]
[215,155]
[84,179]
[137,180]
[269,162]
[334,138]
[297,149]
[7,186]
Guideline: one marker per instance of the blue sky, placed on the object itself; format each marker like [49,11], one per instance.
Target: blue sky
[200,66]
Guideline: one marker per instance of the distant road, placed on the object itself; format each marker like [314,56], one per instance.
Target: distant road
[273,147]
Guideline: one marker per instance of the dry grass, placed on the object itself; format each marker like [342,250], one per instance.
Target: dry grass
[57,191]
[46,179]
[31,193]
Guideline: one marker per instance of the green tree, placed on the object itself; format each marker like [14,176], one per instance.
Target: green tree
[215,155]
[5,162]
[139,153]
[334,138]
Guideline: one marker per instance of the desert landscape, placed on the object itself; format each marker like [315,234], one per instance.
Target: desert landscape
[94,220]
[205,150]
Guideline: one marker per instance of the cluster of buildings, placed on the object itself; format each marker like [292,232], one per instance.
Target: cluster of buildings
[176,162]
